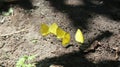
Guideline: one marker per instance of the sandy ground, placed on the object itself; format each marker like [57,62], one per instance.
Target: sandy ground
[99,21]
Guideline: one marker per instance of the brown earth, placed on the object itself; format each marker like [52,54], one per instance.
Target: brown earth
[98,19]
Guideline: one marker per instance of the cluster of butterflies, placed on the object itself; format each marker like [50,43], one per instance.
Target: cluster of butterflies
[60,33]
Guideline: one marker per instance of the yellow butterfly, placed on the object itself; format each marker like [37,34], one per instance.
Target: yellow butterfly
[79,36]
[53,28]
[66,40]
[60,33]
[44,29]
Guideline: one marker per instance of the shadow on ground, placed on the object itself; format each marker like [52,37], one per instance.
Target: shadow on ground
[104,35]
[75,59]
[80,15]
[25,4]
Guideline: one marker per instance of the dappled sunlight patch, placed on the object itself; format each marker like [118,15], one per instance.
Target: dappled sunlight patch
[74,2]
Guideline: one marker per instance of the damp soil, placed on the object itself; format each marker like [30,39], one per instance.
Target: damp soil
[99,20]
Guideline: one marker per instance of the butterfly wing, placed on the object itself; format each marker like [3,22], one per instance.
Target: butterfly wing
[53,28]
[79,36]
[44,29]
[66,40]
[60,33]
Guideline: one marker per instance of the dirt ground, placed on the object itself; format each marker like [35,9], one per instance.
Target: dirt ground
[99,21]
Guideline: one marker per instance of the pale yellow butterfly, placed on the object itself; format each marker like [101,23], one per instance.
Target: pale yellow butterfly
[44,29]
[60,33]
[79,36]
[66,40]
[53,28]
